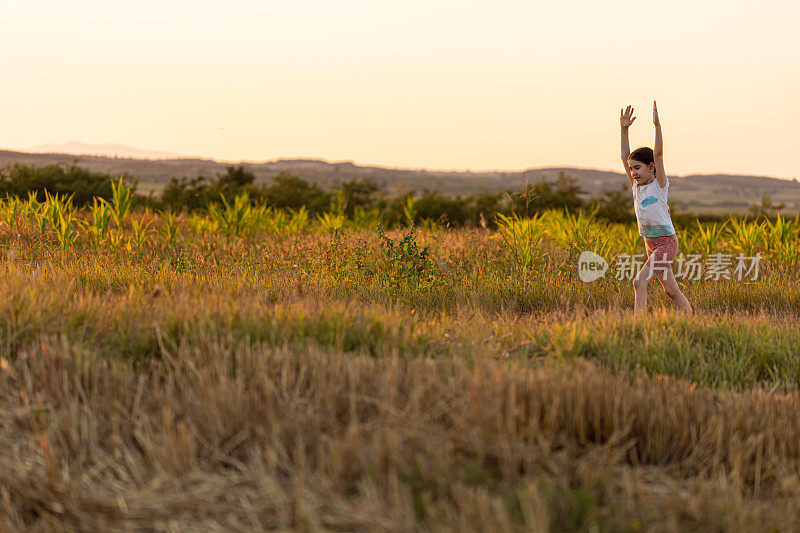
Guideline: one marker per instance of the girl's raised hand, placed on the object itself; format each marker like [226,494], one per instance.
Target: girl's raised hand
[655,114]
[626,118]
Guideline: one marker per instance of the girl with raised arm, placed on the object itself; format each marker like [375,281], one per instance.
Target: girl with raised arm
[645,169]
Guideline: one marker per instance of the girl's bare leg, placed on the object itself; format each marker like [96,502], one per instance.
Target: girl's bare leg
[673,290]
[640,287]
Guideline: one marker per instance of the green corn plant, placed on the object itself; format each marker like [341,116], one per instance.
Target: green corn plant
[333,220]
[298,220]
[120,202]
[430,224]
[62,220]
[521,237]
[274,220]
[789,252]
[10,209]
[43,218]
[260,216]
[116,240]
[574,232]
[141,233]
[555,227]
[56,214]
[780,236]
[234,219]
[604,246]
[630,240]
[59,202]
[31,209]
[196,223]
[4,205]
[101,216]
[171,228]
[410,211]
[54,206]
[32,205]
[330,222]
[201,225]
[7,214]
[64,232]
[707,239]
[365,218]
[745,236]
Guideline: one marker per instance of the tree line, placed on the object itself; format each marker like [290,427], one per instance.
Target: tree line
[287,191]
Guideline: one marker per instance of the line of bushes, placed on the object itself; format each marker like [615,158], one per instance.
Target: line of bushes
[359,194]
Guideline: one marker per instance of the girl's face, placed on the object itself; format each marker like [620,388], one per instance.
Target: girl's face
[642,172]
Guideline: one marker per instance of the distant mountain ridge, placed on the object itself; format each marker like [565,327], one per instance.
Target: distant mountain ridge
[717,193]
[106,150]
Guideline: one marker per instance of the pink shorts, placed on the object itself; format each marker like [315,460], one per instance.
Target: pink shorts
[665,248]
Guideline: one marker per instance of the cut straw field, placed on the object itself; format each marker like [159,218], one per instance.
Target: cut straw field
[259,369]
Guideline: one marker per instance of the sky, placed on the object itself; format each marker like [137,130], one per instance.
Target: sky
[500,85]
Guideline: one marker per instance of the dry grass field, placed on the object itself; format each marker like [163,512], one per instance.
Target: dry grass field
[243,371]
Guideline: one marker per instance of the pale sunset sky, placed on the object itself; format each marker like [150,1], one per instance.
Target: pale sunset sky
[436,84]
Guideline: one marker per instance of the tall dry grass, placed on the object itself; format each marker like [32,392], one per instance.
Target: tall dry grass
[220,433]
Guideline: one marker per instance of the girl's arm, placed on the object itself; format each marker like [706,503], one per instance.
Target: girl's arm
[658,150]
[625,120]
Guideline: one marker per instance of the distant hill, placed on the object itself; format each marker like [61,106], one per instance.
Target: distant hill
[717,193]
[107,150]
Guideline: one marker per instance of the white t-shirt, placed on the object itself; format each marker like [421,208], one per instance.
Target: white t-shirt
[652,211]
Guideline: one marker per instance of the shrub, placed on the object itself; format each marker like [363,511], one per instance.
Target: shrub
[289,191]
[81,184]
[200,192]
[616,205]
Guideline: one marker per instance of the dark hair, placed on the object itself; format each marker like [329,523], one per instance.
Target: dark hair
[643,154]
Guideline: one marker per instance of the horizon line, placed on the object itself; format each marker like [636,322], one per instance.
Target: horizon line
[179,157]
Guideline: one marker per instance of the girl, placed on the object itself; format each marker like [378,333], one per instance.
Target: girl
[649,183]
